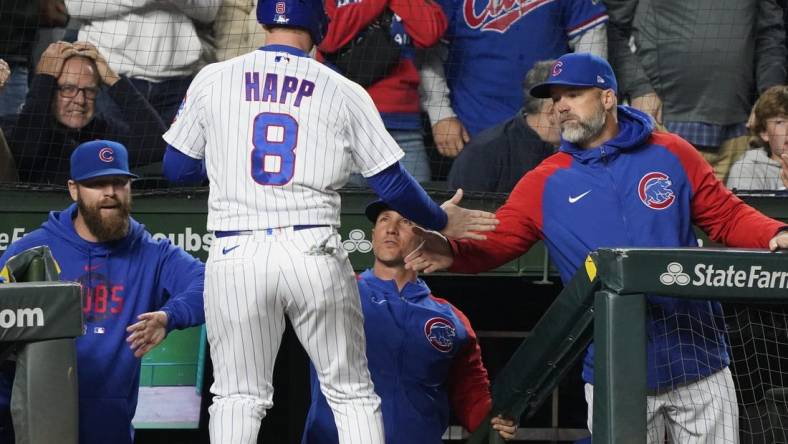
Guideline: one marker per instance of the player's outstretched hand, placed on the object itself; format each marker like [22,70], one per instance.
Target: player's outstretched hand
[779,242]
[147,333]
[465,223]
[434,253]
[507,428]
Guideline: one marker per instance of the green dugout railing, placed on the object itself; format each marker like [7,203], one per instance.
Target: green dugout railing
[606,300]
[625,276]
[555,343]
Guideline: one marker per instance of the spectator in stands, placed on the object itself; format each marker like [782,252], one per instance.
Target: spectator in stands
[616,182]
[414,24]
[236,29]
[784,4]
[154,43]
[60,113]
[696,64]
[7,164]
[489,50]
[497,158]
[135,289]
[21,20]
[766,166]
[424,357]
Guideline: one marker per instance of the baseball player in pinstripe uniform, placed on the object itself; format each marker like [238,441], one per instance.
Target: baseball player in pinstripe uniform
[277,134]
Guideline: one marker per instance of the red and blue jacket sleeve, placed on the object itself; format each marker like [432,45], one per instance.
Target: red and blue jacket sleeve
[520,224]
[347,21]
[424,21]
[715,209]
[468,383]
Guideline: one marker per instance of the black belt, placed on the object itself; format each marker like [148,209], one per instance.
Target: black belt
[218,234]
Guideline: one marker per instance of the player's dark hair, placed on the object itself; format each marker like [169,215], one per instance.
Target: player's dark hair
[536,75]
[772,103]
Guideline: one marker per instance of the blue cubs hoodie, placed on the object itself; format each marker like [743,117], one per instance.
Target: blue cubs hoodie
[639,189]
[423,358]
[120,280]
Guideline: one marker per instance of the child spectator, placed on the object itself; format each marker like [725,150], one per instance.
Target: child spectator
[766,166]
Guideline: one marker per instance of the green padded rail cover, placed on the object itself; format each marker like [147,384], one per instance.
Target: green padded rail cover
[551,348]
[34,311]
[706,273]
[44,398]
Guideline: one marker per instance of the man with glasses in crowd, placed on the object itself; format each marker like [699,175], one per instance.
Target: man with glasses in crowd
[60,113]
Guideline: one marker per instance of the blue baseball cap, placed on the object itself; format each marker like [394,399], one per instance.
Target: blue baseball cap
[99,158]
[578,69]
[305,14]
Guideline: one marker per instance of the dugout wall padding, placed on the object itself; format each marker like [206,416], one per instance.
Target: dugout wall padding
[44,399]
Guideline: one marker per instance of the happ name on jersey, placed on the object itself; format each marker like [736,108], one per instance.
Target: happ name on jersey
[273,90]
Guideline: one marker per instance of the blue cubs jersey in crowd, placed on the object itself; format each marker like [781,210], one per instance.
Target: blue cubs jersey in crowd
[493,44]
[120,280]
[423,357]
[639,189]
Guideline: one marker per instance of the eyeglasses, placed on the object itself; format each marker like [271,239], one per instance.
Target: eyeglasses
[71,91]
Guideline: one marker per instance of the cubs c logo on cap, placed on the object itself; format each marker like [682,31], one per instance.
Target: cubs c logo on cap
[654,190]
[280,7]
[106,154]
[440,332]
[557,68]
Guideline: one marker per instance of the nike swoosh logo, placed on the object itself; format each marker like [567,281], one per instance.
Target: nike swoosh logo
[226,250]
[573,199]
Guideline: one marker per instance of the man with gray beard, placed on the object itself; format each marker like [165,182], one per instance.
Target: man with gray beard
[618,183]
[579,130]
[135,290]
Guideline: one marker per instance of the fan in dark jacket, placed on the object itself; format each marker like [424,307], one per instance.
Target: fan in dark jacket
[21,20]
[60,113]
[496,159]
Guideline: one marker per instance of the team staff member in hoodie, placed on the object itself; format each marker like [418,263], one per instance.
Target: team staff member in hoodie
[618,183]
[422,351]
[135,289]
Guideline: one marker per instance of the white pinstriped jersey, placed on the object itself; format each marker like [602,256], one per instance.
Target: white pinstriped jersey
[279,134]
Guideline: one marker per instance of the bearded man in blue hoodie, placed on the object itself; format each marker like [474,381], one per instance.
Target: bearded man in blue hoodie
[134,289]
